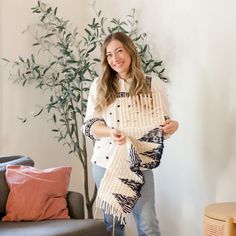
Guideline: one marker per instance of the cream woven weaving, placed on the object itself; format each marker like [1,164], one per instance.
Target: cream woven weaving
[140,118]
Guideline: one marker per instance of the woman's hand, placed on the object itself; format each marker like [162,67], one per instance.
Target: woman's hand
[170,126]
[117,136]
[102,130]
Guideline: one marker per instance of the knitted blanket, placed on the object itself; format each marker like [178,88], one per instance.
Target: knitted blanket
[140,120]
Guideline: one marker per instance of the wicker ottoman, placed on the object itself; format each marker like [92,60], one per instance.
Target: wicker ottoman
[220,219]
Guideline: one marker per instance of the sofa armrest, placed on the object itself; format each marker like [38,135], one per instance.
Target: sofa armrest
[15,160]
[75,204]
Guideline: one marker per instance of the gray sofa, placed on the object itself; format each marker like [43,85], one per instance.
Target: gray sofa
[76,225]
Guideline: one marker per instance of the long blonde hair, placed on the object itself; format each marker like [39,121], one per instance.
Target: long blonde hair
[108,84]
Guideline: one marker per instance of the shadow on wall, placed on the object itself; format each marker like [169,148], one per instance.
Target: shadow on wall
[169,215]
[218,130]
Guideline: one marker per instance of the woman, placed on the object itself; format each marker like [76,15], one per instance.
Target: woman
[122,77]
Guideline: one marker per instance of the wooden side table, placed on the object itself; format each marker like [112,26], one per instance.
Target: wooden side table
[220,219]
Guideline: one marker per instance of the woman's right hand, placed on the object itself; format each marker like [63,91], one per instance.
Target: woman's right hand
[102,130]
[117,136]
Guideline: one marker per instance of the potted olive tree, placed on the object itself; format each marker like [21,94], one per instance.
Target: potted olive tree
[72,64]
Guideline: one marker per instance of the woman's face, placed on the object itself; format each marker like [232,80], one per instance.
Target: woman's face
[118,58]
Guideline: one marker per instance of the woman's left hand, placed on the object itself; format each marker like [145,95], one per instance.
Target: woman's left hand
[170,126]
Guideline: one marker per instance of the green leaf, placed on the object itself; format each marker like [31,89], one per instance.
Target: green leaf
[48,35]
[45,70]
[21,59]
[23,120]
[162,70]
[42,18]
[91,49]
[4,59]
[87,31]
[35,44]
[52,63]
[49,10]
[51,98]
[68,36]
[32,58]
[97,59]
[71,61]
[28,62]
[24,82]
[59,139]
[159,63]
[78,110]
[137,38]
[144,48]
[37,114]
[55,130]
[72,129]
[54,118]
[55,11]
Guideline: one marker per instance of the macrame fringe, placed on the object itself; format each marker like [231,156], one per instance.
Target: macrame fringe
[110,210]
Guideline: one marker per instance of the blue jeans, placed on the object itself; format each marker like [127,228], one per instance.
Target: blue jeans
[143,212]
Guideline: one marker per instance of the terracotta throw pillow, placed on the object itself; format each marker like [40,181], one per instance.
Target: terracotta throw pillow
[36,194]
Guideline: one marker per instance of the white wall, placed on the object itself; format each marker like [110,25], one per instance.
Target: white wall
[196,39]
[32,138]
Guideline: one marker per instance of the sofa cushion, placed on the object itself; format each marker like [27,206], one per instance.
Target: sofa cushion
[36,194]
[71,227]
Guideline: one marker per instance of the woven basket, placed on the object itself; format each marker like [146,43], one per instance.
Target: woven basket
[220,219]
[213,227]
